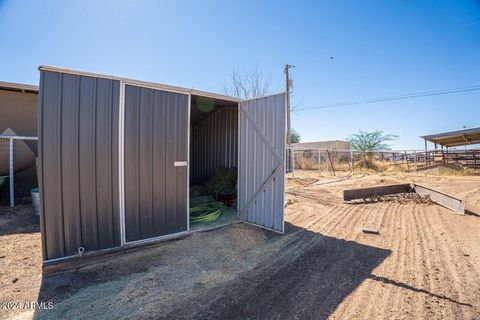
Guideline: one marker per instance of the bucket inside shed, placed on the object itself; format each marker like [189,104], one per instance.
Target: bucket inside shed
[213,162]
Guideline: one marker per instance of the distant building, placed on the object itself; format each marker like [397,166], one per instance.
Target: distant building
[323,145]
[18,109]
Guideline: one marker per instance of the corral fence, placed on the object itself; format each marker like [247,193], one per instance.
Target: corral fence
[18,172]
[344,162]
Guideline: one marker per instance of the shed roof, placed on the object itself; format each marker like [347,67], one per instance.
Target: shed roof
[12,86]
[153,85]
[455,138]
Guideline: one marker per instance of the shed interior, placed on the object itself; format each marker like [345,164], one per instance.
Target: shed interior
[213,162]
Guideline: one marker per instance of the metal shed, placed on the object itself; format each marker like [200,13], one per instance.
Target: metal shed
[118,156]
[323,145]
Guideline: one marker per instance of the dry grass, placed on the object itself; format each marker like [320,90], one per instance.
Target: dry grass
[371,166]
[168,275]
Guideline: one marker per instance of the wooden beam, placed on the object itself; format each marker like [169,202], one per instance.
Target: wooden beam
[331,163]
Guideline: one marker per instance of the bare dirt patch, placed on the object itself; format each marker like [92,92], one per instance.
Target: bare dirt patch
[425,263]
[20,256]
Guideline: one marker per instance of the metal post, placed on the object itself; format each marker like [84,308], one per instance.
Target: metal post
[319,171]
[426,155]
[415,159]
[293,163]
[327,166]
[11,178]
[331,162]
[287,91]
[351,161]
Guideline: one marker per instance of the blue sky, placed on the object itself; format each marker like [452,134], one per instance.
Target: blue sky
[380,48]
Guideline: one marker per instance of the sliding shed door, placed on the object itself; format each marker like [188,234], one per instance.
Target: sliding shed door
[155,158]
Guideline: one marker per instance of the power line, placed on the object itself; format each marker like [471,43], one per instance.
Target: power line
[401,97]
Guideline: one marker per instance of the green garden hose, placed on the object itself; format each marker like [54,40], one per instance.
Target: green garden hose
[205,212]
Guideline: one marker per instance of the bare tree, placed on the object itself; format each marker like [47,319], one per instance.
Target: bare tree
[248,84]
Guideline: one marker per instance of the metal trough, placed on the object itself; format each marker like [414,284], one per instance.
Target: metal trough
[365,193]
[445,200]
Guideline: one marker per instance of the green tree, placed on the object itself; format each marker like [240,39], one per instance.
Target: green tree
[295,136]
[370,141]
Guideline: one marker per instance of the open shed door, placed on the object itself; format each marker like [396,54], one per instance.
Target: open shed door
[261,164]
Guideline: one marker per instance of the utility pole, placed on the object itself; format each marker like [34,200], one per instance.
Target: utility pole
[287,90]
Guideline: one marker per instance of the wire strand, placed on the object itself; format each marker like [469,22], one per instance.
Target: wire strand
[401,97]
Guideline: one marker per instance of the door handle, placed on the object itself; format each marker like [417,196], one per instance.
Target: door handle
[180,163]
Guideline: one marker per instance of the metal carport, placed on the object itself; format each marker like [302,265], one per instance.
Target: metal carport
[454,138]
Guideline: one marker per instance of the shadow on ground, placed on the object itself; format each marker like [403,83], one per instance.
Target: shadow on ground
[472,213]
[409,287]
[306,278]
[18,220]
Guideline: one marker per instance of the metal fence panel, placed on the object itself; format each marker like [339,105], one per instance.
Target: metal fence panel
[346,162]
[18,172]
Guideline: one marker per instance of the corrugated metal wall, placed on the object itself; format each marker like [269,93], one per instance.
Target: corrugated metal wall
[156,135]
[262,161]
[78,153]
[18,112]
[213,144]
[324,145]
[78,129]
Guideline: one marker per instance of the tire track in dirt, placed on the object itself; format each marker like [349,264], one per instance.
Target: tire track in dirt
[299,214]
[325,228]
[337,212]
[298,218]
[373,219]
[409,261]
[356,299]
[452,269]
[386,292]
[345,228]
[379,292]
[424,274]
[429,263]
[436,263]
[393,293]
[448,226]
[342,226]
[450,273]
[382,293]
[422,281]
[358,224]
[296,287]
[414,265]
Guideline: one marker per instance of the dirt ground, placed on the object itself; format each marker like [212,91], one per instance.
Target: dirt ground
[425,263]
[20,256]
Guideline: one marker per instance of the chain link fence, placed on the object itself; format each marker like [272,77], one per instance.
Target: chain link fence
[347,162]
[18,172]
